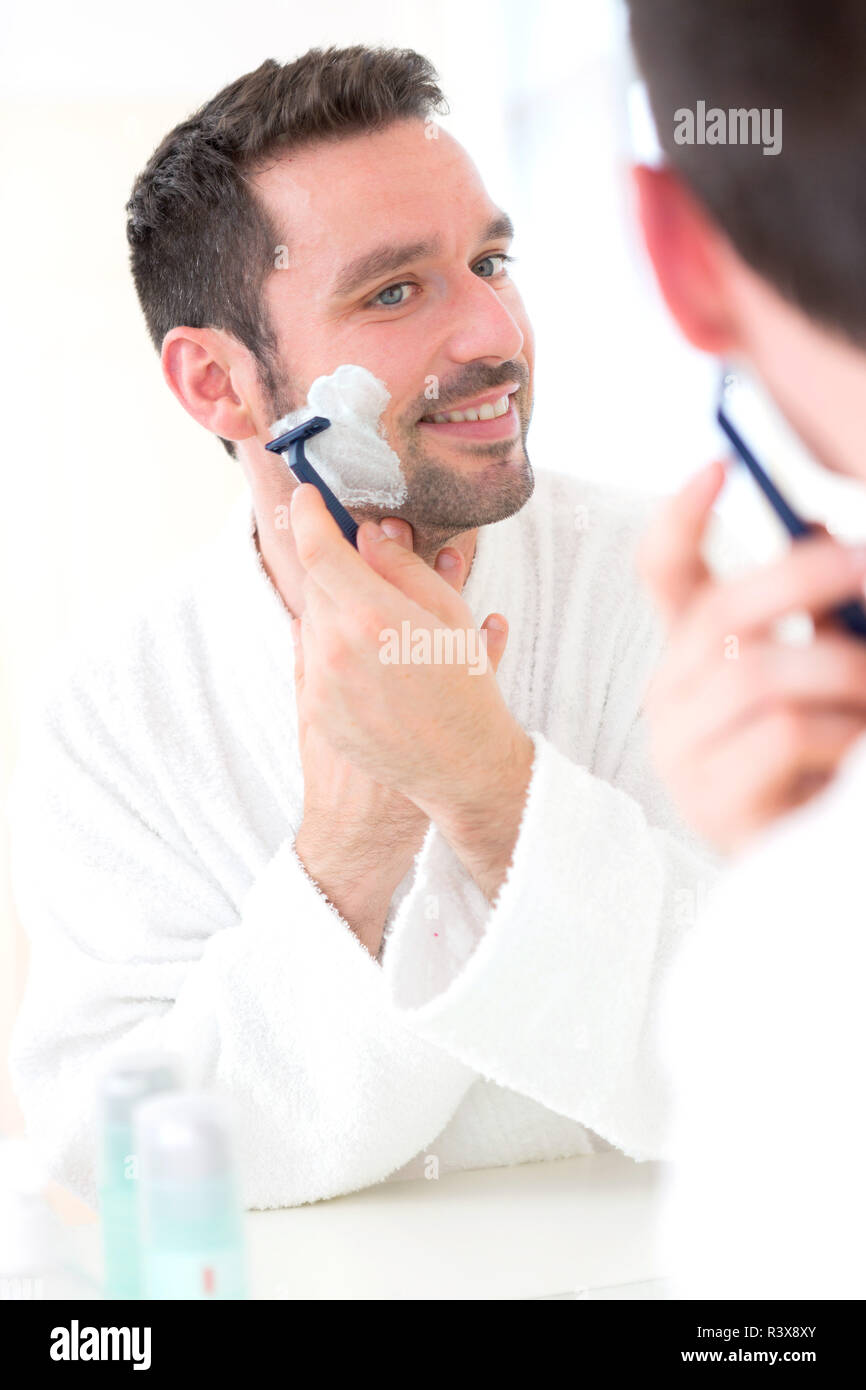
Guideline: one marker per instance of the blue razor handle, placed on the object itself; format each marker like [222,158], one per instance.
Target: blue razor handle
[293,441]
[851,615]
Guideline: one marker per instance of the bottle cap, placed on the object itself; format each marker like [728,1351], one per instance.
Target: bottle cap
[185,1136]
[128,1080]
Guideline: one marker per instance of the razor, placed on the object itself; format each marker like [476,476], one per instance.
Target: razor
[291,446]
[852,615]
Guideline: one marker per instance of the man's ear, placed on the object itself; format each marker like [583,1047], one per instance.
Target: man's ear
[209,373]
[690,257]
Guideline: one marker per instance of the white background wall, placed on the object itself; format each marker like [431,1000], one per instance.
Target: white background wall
[536,94]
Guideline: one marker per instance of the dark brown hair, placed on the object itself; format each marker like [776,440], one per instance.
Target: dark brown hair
[797,217]
[201,244]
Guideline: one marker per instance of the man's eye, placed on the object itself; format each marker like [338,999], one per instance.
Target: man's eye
[393,294]
[498,262]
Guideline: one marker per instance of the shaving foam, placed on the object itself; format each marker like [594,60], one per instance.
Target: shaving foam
[353,457]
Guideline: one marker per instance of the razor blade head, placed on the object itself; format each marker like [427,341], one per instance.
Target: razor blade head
[304,431]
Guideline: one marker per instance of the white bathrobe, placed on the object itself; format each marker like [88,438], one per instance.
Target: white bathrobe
[765,1034]
[154,812]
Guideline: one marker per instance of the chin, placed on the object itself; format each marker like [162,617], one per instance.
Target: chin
[443,498]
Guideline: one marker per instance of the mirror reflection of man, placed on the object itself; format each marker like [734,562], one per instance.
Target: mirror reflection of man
[388,908]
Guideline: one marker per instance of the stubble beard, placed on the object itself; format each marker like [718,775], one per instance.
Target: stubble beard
[442,501]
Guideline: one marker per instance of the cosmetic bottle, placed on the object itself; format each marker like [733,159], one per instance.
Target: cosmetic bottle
[127,1082]
[190,1207]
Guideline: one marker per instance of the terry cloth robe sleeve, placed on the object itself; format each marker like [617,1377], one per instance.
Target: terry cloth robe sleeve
[555,989]
[135,945]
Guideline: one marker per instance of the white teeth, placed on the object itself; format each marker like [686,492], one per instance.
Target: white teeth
[488,411]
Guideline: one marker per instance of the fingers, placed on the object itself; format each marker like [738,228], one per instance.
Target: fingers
[349,577]
[396,529]
[813,576]
[746,726]
[670,560]
[496,628]
[408,573]
[780,761]
[830,672]
[385,552]
[325,554]
[449,563]
[450,566]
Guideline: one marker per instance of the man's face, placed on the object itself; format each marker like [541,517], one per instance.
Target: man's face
[396,262]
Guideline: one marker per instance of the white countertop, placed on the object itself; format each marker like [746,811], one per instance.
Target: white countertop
[575,1228]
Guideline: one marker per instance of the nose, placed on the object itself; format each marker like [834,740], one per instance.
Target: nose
[481,325]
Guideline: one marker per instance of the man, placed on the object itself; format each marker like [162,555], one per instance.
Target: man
[409,916]
[762,259]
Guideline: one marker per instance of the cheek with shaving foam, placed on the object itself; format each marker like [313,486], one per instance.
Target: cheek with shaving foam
[353,456]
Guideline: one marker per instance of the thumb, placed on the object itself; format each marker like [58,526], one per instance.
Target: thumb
[496,628]
[408,573]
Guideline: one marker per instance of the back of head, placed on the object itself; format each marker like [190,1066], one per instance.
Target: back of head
[797,217]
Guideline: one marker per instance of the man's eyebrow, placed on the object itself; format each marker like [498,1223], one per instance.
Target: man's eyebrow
[500,228]
[382,260]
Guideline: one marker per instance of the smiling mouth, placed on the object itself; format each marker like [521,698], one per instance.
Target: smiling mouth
[485,410]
